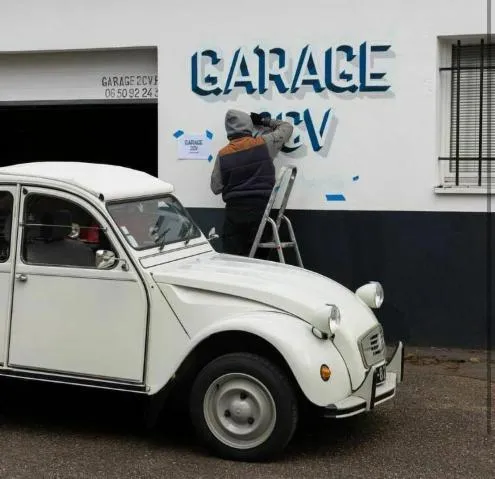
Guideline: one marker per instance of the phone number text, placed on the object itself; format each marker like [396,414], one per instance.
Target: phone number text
[122,93]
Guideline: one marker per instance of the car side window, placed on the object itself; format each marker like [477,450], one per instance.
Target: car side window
[58,232]
[6,209]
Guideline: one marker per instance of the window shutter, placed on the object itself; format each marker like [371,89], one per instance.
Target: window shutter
[472,104]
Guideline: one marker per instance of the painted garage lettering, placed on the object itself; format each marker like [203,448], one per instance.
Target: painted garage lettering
[307,125]
[341,69]
[338,69]
[129,80]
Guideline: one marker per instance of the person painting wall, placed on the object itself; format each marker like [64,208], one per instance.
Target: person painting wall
[244,174]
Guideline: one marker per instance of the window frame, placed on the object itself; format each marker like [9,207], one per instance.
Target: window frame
[61,196]
[464,181]
[8,189]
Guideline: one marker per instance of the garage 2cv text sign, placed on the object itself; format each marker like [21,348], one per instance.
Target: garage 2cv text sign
[343,69]
[128,87]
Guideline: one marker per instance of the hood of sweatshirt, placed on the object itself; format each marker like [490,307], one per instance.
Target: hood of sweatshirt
[238,123]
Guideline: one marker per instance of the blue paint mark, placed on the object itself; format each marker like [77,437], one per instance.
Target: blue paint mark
[355,178]
[339,197]
[210,158]
[178,133]
[209,134]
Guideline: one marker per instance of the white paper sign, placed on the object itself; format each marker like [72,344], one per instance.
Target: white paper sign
[194,147]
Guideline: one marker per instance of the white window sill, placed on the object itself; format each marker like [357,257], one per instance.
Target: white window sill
[464,190]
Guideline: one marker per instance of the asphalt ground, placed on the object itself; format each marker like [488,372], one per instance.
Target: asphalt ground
[434,428]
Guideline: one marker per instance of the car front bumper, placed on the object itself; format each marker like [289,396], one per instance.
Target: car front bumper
[370,394]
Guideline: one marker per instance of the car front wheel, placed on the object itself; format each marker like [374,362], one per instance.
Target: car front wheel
[243,407]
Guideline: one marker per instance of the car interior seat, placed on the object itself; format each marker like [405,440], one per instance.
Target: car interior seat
[55,248]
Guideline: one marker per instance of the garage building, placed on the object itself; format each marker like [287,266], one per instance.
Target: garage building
[391,103]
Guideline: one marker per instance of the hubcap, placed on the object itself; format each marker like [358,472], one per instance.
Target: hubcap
[239,410]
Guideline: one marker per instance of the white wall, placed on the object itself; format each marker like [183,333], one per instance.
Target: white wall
[389,140]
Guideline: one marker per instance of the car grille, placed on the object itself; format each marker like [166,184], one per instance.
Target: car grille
[372,346]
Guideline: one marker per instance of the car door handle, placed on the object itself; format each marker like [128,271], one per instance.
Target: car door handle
[22,277]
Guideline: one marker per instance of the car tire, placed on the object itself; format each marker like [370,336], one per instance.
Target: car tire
[243,407]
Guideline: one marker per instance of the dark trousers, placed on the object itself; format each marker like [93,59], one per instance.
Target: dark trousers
[242,219]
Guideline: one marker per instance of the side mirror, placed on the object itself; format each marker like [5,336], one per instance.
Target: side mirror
[105,259]
[212,234]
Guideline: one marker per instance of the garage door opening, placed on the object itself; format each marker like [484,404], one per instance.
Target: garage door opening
[115,134]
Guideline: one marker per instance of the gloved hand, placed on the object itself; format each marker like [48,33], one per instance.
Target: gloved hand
[258,119]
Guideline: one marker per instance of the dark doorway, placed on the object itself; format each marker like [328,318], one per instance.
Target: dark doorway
[125,135]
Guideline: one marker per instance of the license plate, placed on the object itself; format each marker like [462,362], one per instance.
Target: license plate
[381,374]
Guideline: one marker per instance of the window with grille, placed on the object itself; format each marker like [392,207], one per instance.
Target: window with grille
[471,104]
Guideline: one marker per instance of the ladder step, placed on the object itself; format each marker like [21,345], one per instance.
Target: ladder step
[272,244]
[266,220]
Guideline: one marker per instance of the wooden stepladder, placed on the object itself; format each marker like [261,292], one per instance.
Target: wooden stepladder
[284,184]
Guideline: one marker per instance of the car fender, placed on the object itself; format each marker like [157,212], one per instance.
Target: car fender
[303,352]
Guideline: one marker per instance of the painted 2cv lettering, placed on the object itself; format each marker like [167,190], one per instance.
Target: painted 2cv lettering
[247,342]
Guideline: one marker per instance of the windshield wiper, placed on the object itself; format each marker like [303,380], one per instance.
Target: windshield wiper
[189,234]
[162,237]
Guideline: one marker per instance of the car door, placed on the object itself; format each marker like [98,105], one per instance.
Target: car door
[8,205]
[68,316]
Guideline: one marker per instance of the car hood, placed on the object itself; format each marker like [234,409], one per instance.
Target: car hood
[293,290]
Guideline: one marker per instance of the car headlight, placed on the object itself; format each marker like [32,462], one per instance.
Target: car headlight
[372,294]
[326,321]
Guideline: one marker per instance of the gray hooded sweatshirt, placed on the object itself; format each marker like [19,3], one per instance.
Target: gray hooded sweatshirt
[245,167]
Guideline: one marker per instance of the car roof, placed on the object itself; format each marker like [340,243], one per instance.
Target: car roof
[108,182]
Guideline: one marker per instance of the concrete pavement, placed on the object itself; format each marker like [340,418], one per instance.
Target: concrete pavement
[435,428]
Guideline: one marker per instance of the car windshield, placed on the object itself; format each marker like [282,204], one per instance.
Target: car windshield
[147,223]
